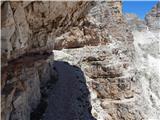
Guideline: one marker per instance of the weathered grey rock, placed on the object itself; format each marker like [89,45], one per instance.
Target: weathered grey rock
[109,79]
[21,84]
[29,27]
[146,43]
[147,65]
[153,17]
[135,23]
[7,30]
[98,41]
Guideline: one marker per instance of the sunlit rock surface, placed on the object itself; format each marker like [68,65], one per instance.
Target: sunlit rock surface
[147,62]
[29,27]
[153,17]
[83,58]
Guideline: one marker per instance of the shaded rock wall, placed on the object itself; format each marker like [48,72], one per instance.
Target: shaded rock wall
[21,83]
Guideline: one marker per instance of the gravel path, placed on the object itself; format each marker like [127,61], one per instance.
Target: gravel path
[65,101]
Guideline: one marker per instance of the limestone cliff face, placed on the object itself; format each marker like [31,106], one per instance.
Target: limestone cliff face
[21,85]
[147,63]
[28,32]
[117,91]
[147,57]
[153,17]
[29,27]
[106,57]
[107,61]
[103,21]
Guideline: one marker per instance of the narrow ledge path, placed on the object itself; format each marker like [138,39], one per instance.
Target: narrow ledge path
[68,99]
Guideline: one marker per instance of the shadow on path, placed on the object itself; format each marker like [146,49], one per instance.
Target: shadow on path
[69,98]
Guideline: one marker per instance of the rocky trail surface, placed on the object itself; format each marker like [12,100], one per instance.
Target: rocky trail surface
[68,99]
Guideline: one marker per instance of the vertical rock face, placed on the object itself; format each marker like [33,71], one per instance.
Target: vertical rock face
[29,27]
[93,36]
[107,63]
[147,77]
[147,57]
[20,85]
[153,17]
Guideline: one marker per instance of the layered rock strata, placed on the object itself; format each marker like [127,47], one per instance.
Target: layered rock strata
[28,27]
[31,26]
[106,61]
[28,30]
[95,38]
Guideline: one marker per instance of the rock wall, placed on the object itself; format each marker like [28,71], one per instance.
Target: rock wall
[32,29]
[107,62]
[21,83]
[28,32]
[29,27]
[96,27]
[147,76]
[34,26]
[116,7]
[153,17]
[146,61]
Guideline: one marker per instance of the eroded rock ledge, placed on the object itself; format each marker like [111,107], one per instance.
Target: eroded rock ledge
[29,27]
